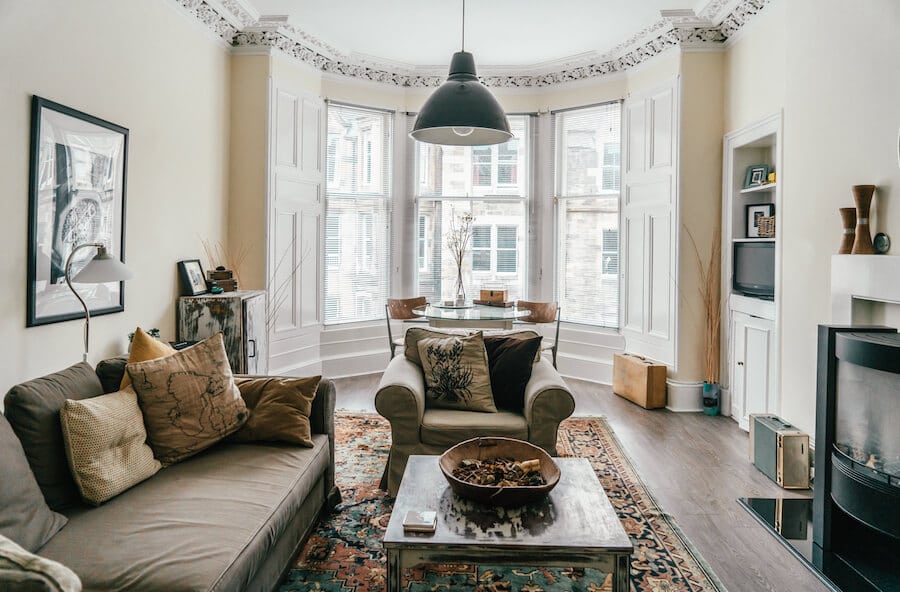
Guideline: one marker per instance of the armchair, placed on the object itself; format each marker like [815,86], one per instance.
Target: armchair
[417,428]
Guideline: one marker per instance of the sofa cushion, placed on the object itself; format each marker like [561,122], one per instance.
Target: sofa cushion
[110,373]
[456,373]
[24,515]
[207,523]
[106,444]
[143,348]
[279,409]
[446,427]
[510,359]
[32,409]
[189,399]
[21,571]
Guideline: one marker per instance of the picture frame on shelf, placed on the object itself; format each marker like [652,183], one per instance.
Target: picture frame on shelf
[754,213]
[76,195]
[192,278]
[756,175]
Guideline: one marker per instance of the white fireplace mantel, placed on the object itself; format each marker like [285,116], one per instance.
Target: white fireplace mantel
[875,278]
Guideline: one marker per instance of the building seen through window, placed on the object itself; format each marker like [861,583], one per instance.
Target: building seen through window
[357,191]
[489,184]
[588,178]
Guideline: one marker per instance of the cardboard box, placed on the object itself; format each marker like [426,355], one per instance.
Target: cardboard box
[780,451]
[494,295]
[639,380]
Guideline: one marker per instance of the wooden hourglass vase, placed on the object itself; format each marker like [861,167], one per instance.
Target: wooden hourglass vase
[848,222]
[862,196]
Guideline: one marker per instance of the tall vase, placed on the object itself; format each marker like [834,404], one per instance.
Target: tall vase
[848,222]
[460,287]
[862,196]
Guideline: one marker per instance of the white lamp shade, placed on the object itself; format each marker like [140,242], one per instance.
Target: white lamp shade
[103,268]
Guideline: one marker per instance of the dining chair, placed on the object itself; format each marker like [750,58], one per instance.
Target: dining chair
[400,309]
[542,312]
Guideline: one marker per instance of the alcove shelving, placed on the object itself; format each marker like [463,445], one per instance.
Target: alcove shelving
[750,324]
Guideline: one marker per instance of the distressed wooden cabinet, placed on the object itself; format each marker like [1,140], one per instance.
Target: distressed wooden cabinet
[240,316]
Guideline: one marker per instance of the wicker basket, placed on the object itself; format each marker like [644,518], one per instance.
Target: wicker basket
[766,226]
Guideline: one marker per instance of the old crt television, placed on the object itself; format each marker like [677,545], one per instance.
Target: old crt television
[754,269]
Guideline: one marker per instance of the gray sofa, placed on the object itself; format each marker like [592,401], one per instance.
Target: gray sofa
[230,518]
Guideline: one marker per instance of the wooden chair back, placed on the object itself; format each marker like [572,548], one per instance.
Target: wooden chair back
[541,312]
[401,308]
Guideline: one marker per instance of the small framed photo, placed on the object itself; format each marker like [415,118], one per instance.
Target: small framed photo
[757,174]
[191,274]
[754,213]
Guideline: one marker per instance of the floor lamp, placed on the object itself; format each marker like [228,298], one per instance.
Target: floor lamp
[102,268]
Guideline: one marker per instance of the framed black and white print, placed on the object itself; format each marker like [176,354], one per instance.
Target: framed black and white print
[76,195]
[192,279]
[754,213]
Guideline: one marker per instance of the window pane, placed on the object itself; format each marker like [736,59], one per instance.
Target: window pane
[461,171]
[589,282]
[481,260]
[506,261]
[481,236]
[485,265]
[506,237]
[588,181]
[356,213]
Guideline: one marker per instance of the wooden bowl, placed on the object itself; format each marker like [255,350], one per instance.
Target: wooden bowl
[492,495]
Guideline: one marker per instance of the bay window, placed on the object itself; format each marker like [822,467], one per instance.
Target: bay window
[357,206]
[588,175]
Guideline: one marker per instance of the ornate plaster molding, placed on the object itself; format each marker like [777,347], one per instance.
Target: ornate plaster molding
[668,32]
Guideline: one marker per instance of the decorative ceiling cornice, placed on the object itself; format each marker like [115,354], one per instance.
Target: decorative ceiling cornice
[233,22]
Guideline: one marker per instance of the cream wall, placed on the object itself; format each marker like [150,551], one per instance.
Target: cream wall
[700,198]
[164,78]
[840,92]
[247,171]
[755,69]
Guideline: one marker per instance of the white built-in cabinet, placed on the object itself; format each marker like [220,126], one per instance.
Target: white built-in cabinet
[649,223]
[752,366]
[750,331]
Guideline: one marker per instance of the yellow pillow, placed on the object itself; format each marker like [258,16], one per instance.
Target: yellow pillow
[144,348]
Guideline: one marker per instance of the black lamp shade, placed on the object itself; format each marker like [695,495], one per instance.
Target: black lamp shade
[462,111]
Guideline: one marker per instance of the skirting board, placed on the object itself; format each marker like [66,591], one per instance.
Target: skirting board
[684,396]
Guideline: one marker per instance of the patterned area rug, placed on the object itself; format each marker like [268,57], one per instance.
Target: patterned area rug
[344,554]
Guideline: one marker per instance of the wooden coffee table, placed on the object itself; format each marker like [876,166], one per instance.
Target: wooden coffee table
[574,526]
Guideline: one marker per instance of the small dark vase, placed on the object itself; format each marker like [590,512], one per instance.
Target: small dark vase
[848,221]
[711,398]
[862,196]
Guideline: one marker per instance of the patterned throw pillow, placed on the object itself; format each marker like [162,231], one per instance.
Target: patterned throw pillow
[189,399]
[143,348]
[106,444]
[279,409]
[416,334]
[456,373]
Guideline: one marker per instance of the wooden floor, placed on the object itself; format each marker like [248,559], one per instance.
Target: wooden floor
[696,466]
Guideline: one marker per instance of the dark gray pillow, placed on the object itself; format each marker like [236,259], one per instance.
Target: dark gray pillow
[24,516]
[110,373]
[32,409]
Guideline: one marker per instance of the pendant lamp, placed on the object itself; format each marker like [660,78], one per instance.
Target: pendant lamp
[462,111]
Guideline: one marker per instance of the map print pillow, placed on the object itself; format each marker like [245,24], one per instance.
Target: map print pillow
[189,399]
[456,373]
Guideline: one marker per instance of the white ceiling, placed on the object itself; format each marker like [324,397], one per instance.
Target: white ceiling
[422,33]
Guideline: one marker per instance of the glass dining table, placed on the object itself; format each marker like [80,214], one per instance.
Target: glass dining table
[474,316]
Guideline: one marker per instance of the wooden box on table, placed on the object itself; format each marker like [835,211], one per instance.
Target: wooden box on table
[639,380]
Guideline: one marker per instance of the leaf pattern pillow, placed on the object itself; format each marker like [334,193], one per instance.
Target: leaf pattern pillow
[456,373]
